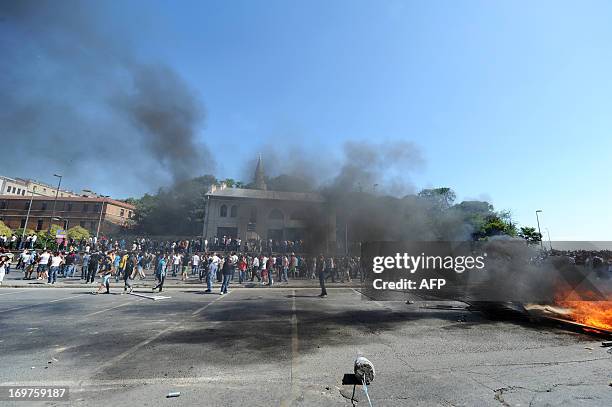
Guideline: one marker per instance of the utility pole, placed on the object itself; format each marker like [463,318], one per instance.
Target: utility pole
[25,227]
[539,231]
[100,219]
[59,184]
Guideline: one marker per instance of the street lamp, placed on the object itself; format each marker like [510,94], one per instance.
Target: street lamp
[539,231]
[549,241]
[25,227]
[59,184]
[101,212]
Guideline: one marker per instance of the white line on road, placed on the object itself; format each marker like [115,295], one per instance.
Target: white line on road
[42,303]
[294,357]
[150,339]
[14,292]
[112,308]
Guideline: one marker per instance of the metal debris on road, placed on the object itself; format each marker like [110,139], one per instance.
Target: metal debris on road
[173,394]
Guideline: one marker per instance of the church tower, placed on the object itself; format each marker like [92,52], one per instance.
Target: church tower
[260,181]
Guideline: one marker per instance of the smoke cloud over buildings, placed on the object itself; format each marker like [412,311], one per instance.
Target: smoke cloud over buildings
[76,98]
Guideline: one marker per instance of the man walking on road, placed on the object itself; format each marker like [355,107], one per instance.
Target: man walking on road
[161,273]
[321,273]
[56,262]
[212,271]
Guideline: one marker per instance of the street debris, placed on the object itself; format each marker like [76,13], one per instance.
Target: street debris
[173,394]
[606,344]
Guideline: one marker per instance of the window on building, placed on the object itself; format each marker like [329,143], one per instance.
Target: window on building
[121,213]
[39,224]
[65,224]
[92,225]
[3,205]
[69,207]
[97,208]
[23,192]
[18,191]
[22,223]
[253,215]
[43,206]
[223,211]
[234,211]
[82,224]
[27,205]
[85,207]
[130,214]
[276,214]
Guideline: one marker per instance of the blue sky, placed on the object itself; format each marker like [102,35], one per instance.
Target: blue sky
[507,100]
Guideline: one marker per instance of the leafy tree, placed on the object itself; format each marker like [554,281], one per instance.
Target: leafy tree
[77,233]
[441,198]
[230,182]
[177,210]
[5,230]
[529,233]
[19,232]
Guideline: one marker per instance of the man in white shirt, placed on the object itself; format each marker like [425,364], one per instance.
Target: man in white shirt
[176,264]
[255,269]
[56,262]
[212,271]
[43,265]
[195,264]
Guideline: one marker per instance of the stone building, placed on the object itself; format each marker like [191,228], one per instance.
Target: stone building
[258,214]
[107,215]
[24,187]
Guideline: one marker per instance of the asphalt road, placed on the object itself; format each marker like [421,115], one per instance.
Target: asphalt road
[286,347]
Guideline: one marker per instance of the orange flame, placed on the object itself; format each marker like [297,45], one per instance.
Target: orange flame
[597,314]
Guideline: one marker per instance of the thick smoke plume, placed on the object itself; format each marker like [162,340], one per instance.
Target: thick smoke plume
[77,99]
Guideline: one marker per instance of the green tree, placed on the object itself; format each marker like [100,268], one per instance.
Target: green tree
[5,230]
[178,210]
[441,198]
[529,233]
[77,233]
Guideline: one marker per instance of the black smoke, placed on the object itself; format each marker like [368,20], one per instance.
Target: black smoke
[78,99]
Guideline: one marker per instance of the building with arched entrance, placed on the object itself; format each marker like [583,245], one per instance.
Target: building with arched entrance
[258,215]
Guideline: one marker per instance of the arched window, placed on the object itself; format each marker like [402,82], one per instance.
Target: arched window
[223,211]
[276,214]
[234,211]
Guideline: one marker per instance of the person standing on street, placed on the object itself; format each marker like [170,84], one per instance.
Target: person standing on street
[85,265]
[227,271]
[321,273]
[43,265]
[128,273]
[106,271]
[212,271]
[161,273]
[92,267]
[56,262]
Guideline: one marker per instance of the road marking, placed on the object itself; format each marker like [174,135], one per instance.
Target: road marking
[294,357]
[150,339]
[14,292]
[42,303]
[112,308]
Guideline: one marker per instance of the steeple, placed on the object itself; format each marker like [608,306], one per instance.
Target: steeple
[260,181]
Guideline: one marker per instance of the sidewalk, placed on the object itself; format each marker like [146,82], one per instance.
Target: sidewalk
[15,280]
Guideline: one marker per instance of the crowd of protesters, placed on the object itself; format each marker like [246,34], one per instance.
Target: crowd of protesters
[216,243]
[110,259]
